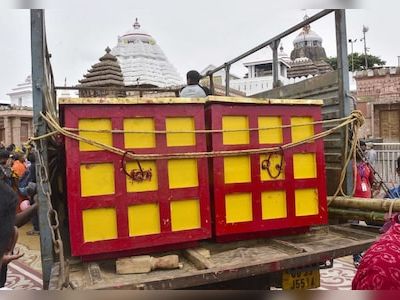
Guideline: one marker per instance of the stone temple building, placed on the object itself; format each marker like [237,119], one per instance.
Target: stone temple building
[308,56]
[143,63]
[16,117]
[107,74]
[306,60]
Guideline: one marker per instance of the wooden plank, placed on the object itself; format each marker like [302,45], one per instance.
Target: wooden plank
[319,240]
[203,251]
[264,101]
[244,270]
[353,232]
[146,263]
[94,272]
[121,101]
[197,259]
[284,245]
[172,100]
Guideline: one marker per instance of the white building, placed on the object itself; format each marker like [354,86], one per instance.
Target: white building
[307,59]
[16,124]
[218,77]
[142,61]
[259,77]
[21,95]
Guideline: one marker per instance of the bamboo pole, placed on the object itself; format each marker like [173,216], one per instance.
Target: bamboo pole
[357,214]
[366,204]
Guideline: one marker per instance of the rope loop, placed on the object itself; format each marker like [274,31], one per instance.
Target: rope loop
[266,163]
[138,175]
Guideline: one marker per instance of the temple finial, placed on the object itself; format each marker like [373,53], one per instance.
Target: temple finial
[108,50]
[136,25]
[308,26]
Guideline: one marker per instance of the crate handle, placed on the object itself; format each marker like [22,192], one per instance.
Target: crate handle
[266,164]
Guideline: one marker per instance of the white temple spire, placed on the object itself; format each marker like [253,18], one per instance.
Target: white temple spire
[140,56]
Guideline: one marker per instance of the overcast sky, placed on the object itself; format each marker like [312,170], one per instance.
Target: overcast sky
[192,34]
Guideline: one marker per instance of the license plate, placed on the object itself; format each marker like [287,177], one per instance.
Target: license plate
[292,280]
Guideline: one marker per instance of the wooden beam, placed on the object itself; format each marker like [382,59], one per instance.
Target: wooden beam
[378,205]
[198,260]
[146,263]
[360,215]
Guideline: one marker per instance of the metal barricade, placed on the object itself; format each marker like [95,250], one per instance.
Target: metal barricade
[386,162]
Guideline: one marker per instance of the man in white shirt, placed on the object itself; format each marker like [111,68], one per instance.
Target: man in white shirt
[193,88]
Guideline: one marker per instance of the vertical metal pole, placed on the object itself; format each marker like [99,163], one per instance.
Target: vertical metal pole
[345,103]
[275,63]
[212,88]
[352,56]
[38,77]
[365,48]
[227,79]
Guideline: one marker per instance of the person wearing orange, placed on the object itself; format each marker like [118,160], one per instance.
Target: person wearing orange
[19,167]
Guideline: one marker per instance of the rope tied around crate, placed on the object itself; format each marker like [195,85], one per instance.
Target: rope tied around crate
[351,123]
[355,117]
[202,131]
[350,155]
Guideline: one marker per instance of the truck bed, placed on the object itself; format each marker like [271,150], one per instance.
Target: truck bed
[229,261]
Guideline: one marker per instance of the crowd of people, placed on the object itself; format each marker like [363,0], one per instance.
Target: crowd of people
[18,203]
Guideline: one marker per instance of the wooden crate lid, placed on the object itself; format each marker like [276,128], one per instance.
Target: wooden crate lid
[176,100]
[170,100]
[263,101]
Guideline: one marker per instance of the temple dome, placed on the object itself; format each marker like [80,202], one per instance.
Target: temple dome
[142,61]
[308,44]
[307,36]
[136,34]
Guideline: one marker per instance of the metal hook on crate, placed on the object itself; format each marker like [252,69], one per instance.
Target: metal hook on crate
[138,175]
[266,164]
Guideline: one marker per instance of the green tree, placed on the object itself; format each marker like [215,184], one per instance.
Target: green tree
[359,61]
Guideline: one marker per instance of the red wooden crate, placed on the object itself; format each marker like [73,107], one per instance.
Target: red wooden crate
[104,217]
[246,201]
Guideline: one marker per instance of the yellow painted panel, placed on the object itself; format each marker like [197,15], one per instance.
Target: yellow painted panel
[302,132]
[180,139]
[101,137]
[237,169]
[270,136]
[182,173]
[144,219]
[97,179]
[234,123]
[144,186]
[99,224]
[273,205]
[139,140]
[304,165]
[274,165]
[238,207]
[306,202]
[185,215]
